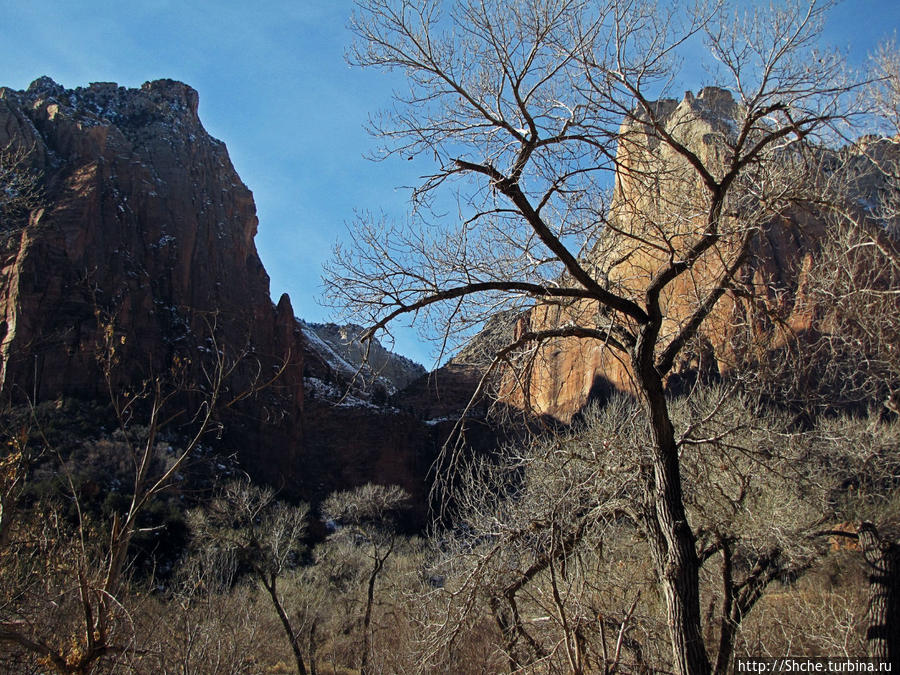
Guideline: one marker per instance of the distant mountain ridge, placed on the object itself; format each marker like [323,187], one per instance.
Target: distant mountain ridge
[374,364]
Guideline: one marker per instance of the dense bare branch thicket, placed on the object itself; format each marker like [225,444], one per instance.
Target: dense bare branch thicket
[366,516]
[244,527]
[549,544]
[529,110]
[858,275]
[66,564]
[20,187]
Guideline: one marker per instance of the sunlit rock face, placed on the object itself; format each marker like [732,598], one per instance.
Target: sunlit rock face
[653,218]
[144,252]
[145,221]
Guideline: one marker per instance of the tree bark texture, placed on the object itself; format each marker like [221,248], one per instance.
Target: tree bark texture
[671,537]
[883,615]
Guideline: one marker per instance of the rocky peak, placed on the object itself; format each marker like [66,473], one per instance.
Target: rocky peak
[711,104]
[368,369]
[45,87]
[107,102]
[146,234]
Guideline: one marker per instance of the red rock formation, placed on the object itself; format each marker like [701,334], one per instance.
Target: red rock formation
[145,220]
[567,372]
[146,237]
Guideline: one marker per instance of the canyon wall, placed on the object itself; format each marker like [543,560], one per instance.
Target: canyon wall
[650,220]
[141,260]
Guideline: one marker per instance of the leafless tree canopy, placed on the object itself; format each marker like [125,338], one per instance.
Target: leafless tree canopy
[20,187]
[71,574]
[523,108]
[580,182]
[548,541]
[852,283]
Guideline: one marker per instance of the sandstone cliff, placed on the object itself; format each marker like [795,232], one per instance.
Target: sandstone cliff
[146,241]
[145,221]
[768,302]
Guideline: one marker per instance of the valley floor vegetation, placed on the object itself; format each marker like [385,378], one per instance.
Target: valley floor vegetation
[542,571]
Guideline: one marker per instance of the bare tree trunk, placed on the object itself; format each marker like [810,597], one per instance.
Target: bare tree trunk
[671,537]
[739,597]
[507,630]
[728,626]
[269,584]
[883,616]
[311,649]
[367,619]
[370,602]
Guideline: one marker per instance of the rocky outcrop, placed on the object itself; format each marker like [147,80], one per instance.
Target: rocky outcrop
[146,228]
[143,258]
[353,430]
[770,302]
[372,368]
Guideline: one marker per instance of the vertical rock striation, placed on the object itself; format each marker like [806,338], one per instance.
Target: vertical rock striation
[145,242]
[768,302]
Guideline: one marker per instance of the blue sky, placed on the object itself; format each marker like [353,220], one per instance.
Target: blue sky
[275,88]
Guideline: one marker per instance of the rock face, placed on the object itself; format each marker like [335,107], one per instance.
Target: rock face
[568,372]
[353,431]
[144,247]
[146,223]
[375,368]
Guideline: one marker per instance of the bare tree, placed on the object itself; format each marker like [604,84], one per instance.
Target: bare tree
[534,529]
[246,524]
[97,555]
[530,109]
[885,88]
[861,277]
[883,630]
[16,461]
[366,515]
[20,186]
[853,287]
[548,536]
